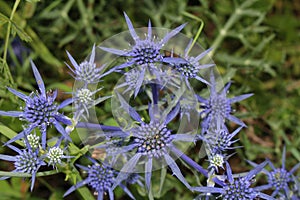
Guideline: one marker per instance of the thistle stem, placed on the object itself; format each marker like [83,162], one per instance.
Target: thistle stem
[7,71]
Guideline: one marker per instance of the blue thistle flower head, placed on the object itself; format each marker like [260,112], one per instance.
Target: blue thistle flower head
[83,100]
[238,188]
[189,66]
[218,105]
[280,179]
[218,138]
[144,55]
[55,155]
[26,161]
[87,71]
[152,139]
[150,144]
[216,161]
[145,52]
[34,141]
[100,178]
[40,111]
[132,80]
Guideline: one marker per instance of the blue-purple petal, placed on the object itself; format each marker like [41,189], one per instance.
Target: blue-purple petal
[208,189]
[11,113]
[74,187]
[38,79]
[7,158]
[175,169]
[131,28]
[172,34]
[17,93]
[148,173]
[127,168]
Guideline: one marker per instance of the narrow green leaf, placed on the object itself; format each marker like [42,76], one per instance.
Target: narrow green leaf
[20,32]
[9,133]
[3,19]
[163,174]
[8,190]
[33,1]
[19,174]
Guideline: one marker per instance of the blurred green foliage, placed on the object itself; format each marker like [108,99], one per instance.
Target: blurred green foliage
[256,43]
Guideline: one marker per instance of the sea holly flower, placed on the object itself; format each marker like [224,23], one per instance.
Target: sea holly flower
[27,161]
[152,143]
[87,71]
[40,111]
[82,100]
[131,80]
[279,179]
[237,188]
[34,140]
[189,66]
[144,53]
[218,138]
[218,105]
[55,154]
[100,178]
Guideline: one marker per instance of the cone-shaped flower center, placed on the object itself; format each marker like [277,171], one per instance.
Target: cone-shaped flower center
[33,140]
[188,69]
[219,107]
[40,110]
[153,139]
[84,96]
[27,162]
[279,178]
[220,140]
[216,161]
[145,52]
[101,178]
[131,78]
[87,72]
[239,190]
[55,154]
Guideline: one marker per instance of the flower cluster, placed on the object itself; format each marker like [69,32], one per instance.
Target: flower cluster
[159,118]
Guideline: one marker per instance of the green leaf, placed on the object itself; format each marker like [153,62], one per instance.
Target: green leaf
[9,133]
[61,86]
[3,19]
[163,174]
[56,195]
[33,1]
[20,32]
[19,174]
[8,190]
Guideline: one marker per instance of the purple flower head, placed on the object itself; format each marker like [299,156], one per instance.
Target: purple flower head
[237,188]
[83,100]
[218,138]
[27,161]
[132,81]
[100,178]
[218,106]
[151,144]
[279,179]
[189,66]
[40,111]
[87,71]
[144,54]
